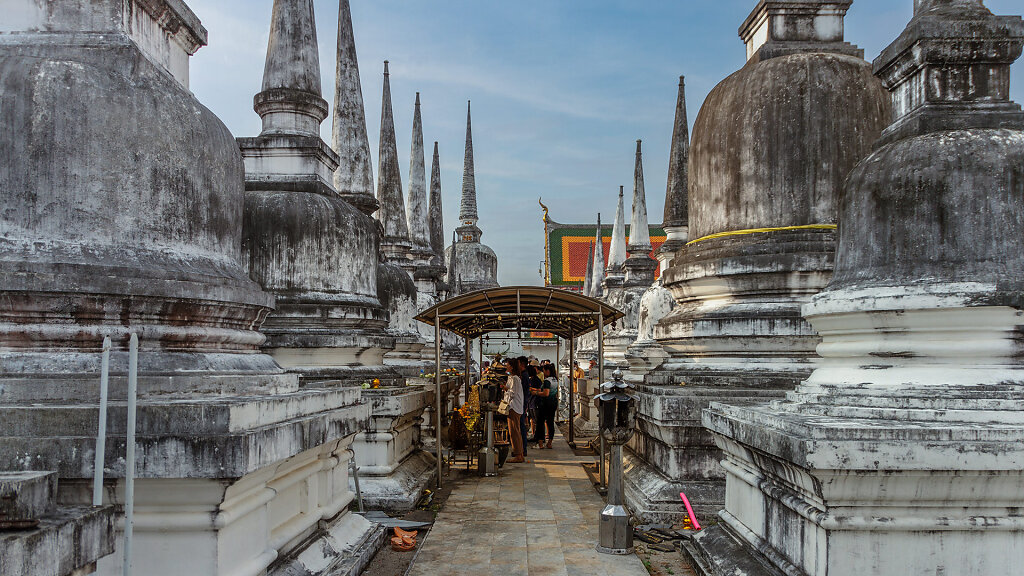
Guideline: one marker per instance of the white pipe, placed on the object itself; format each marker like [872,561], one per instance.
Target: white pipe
[101,432]
[129,475]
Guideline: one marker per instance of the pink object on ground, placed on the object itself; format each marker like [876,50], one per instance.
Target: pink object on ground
[689,510]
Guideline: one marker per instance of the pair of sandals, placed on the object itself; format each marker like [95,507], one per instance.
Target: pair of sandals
[403,540]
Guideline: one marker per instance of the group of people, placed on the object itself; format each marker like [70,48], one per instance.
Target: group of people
[534,403]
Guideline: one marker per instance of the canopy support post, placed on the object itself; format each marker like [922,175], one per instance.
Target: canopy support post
[600,381]
[469,362]
[572,388]
[437,395]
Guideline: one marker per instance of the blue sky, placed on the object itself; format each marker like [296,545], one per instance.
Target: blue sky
[561,91]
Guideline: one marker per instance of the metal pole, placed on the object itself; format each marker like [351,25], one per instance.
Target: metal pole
[558,350]
[572,394]
[600,380]
[437,395]
[600,450]
[469,362]
[355,478]
[101,433]
[129,475]
[615,536]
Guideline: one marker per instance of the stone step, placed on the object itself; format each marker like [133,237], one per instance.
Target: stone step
[25,497]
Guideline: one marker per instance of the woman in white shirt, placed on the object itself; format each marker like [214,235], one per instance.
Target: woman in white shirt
[515,411]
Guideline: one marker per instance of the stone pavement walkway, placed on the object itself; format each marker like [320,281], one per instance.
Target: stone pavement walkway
[534,519]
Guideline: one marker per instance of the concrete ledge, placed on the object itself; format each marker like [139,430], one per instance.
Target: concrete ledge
[715,551]
[206,437]
[655,499]
[67,542]
[400,490]
[343,549]
[26,496]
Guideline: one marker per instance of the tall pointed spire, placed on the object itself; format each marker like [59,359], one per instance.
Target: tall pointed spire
[639,230]
[291,102]
[617,249]
[639,266]
[389,185]
[479,264]
[676,195]
[596,287]
[467,209]
[588,278]
[299,238]
[354,177]
[416,211]
[436,212]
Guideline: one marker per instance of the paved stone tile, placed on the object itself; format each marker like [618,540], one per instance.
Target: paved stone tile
[534,519]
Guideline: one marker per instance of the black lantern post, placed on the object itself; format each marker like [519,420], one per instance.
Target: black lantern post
[617,418]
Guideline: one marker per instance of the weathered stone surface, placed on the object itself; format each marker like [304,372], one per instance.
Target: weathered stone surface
[677,197]
[417,212]
[98,240]
[770,149]
[731,557]
[645,353]
[639,265]
[67,542]
[354,177]
[397,292]
[344,548]
[677,191]
[437,216]
[26,496]
[204,437]
[395,243]
[476,265]
[305,244]
[298,503]
[393,468]
[908,433]
[125,214]
[614,274]
[771,129]
[596,283]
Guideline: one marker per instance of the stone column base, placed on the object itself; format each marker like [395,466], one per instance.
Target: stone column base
[820,494]
[343,549]
[401,489]
[653,498]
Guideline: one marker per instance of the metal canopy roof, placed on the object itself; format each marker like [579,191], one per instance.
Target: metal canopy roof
[513,308]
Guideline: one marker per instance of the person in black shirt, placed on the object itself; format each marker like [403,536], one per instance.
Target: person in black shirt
[547,397]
